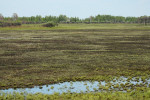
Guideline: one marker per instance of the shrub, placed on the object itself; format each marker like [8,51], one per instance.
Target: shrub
[50,24]
[6,24]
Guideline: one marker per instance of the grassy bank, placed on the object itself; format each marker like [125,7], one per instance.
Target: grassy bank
[34,55]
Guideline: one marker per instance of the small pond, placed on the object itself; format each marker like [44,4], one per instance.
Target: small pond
[117,84]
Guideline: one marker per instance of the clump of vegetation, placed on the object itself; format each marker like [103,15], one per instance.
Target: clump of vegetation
[50,24]
[52,87]
[40,87]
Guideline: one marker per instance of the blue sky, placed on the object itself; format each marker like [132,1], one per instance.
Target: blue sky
[72,8]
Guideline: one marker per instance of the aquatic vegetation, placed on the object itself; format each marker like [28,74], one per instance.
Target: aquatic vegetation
[52,87]
[116,86]
[84,58]
[40,87]
[101,87]
[106,88]
[87,87]
[95,89]
[134,95]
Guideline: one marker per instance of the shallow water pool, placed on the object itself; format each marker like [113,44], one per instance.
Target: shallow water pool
[83,86]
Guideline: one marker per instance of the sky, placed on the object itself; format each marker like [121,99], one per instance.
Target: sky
[75,8]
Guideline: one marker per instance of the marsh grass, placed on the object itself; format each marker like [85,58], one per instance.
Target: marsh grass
[74,52]
[134,95]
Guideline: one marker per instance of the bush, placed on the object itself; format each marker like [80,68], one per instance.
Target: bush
[50,24]
[6,24]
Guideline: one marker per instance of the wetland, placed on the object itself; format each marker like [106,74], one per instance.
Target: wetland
[86,55]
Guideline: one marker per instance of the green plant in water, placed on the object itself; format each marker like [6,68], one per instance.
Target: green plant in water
[87,87]
[40,87]
[52,87]
[94,89]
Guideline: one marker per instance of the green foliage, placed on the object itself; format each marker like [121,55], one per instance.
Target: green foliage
[62,18]
[92,19]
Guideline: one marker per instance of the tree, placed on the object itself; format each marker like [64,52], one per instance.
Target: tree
[62,18]
[38,18]
[144,19]
[1,17]
[74,19]
[14,16]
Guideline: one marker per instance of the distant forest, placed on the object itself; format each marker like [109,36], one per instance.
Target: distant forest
[64,19]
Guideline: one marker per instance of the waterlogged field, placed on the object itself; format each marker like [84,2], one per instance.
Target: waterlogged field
[32,55]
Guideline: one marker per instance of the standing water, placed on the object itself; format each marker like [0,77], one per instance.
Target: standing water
[83,86]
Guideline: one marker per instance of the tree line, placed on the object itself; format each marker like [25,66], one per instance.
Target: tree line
[64,19]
